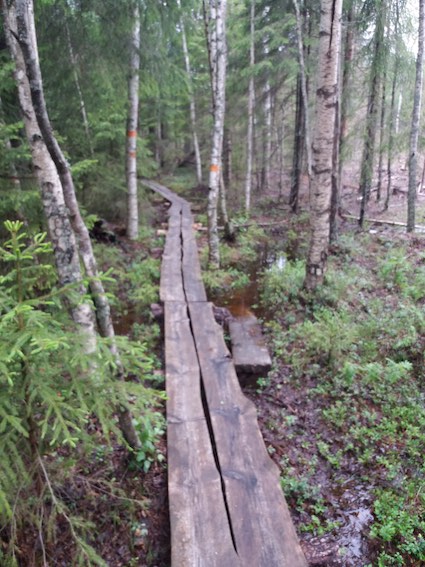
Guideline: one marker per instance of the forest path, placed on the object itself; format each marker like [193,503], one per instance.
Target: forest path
[226,504]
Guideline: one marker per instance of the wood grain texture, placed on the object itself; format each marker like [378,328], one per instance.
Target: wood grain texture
[263,529]
[200,534]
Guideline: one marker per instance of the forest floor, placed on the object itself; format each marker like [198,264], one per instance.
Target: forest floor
[312,417]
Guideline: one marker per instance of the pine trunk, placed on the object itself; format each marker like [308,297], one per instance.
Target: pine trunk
[132,124]
[298,151]
[323,140]
[416,116]
[27,42]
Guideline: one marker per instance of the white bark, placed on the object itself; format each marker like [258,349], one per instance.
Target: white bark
[27,41]
[132,123]
[218,64]
[416,114]
[192,104]
[323,140]
[251,107]
[59,228]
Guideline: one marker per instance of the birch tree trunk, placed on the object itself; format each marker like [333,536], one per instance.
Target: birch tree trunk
[25,28]
[251,106]
[217,22]
[132,123]
[267,133]
[416,116]
[192,104]
[323,140]
[59,228]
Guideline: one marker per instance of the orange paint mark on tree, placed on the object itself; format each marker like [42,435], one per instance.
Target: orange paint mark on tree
[131,134]
[132,154]
[214,167]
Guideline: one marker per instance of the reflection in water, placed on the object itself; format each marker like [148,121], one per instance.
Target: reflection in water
[245,301]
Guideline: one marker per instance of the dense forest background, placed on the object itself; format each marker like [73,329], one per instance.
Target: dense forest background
[133,89]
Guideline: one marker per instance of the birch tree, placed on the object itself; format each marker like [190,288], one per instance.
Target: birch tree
[414,131]
[132,124]
[218,59]
[25,32]
[323,140]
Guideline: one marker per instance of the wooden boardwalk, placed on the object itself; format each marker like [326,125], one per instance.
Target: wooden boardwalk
[226,506]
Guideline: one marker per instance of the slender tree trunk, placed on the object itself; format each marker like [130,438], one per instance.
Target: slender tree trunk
[333,229]
[304,91]
[192,104]
[27,41]
[267,135]
[397,118]
[218,62]
[381,139]
[416,115]
[298,152]
[323,140]
[366,173]
[132,124]
[392,111]
[280,144]
[251,106]
[227,159]
[78,88]
[348,59]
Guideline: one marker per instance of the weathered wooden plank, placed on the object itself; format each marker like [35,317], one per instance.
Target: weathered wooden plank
[192,278]
[171,286]
[262,527]
[200,534]
[249,350]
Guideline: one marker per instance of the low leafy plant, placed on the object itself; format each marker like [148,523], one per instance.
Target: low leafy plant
[50,391]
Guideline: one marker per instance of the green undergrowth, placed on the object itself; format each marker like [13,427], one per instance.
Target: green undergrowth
[235,259]
[59,396]
[354,352]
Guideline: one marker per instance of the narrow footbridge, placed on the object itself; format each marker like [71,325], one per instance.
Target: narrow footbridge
[226,506]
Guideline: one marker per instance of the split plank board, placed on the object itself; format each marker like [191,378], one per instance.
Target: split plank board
[226,505]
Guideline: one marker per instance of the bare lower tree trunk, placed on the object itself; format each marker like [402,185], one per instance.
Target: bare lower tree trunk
[381,141]
[251,107]
[27,41]
[303,78]
[55,211]
[78,88]
[416,114]
[217,22]
[298,150]
[391,136]
[323,140]
[267,135]
[132,124]
[192,104]
[345,91]
[366,173]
